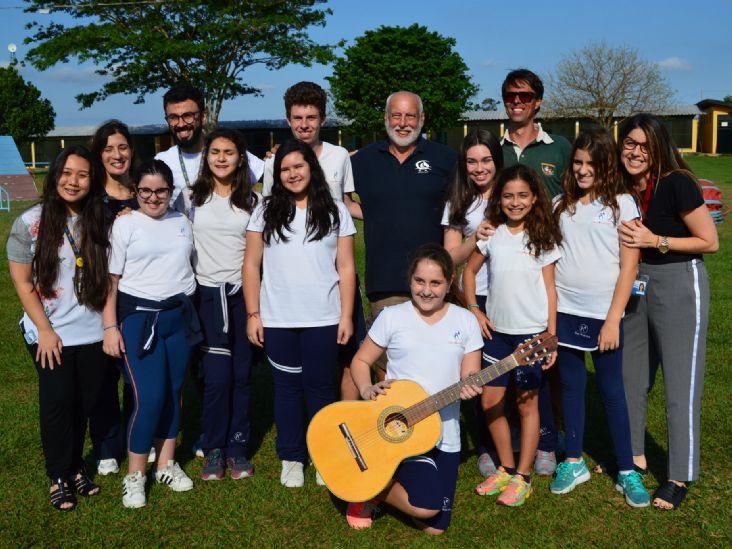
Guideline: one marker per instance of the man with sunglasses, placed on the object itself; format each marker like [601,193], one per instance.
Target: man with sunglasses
[185,113]
[524,140]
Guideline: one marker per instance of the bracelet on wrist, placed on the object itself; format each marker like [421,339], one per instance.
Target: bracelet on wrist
[473,306]
[113,326]
[253,314]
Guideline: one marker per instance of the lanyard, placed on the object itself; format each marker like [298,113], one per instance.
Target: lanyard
[183,167]
[647,194]
[77,253]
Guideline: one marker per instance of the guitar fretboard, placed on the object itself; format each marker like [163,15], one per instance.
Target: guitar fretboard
[447,396]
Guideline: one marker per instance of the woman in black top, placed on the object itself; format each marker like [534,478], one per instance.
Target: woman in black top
[667,325]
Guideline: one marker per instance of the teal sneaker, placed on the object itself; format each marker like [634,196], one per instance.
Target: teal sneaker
[631,485]
[570,474]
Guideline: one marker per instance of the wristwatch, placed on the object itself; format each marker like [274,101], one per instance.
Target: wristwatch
[663,245]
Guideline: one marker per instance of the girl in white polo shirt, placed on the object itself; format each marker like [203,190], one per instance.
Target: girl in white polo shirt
[594,281]
[521,303]
[436,343]
[222,200]
[300,308]
[479,161]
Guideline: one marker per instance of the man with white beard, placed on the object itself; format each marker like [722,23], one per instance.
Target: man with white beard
[401,182]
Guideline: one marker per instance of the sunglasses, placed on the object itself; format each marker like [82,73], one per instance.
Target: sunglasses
[523,97]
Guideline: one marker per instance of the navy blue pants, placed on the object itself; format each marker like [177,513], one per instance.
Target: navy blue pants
[609,375]
[226,362]
[303,365]
[156,379]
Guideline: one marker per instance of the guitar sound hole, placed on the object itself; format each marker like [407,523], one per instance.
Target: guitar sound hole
[393,426]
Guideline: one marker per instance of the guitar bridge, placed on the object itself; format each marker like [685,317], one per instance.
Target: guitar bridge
[352,447]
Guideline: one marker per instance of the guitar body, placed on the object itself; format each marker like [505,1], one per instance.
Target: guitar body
[356,446]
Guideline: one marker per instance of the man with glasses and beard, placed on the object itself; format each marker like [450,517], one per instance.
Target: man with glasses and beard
[185,113]
[524,141]
[401,182]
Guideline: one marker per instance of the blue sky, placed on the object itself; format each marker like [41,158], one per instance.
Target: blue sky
[691,42]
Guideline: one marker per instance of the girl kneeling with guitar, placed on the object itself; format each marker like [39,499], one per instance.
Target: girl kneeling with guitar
[436,344]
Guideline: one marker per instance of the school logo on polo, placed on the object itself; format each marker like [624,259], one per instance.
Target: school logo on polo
[582,330]
[548,169]
[423,166]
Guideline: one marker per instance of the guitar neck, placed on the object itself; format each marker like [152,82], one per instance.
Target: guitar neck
[447,396]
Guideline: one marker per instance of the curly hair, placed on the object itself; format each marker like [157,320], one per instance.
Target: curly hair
[242,194]
[92,226]
[608,183]
[462,192]
[279,207]
[305,94]
[542,230]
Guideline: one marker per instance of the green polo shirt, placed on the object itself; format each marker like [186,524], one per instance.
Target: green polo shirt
[547,154]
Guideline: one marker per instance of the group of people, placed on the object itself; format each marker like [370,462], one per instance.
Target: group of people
[177,263]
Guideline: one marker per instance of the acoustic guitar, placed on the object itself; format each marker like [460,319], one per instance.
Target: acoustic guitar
[356,446]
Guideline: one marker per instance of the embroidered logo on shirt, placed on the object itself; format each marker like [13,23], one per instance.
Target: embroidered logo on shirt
[456,338]
[582,330]
[548,169]
[423,166]
[604,216]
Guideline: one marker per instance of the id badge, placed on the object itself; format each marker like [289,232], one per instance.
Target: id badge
[30,336]
[640,285]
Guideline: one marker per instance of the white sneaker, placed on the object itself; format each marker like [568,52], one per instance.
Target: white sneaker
[292,474]
[174,477]
[107,467]
[133,490]
[318,479]
[152,455]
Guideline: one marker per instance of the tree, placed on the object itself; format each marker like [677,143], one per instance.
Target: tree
[23,113]
[390,59]
[603,82]
[488,104]
[143,47]
[728,99]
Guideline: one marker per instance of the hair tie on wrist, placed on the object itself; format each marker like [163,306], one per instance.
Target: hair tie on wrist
[252,314]
[110,327]
[473,305]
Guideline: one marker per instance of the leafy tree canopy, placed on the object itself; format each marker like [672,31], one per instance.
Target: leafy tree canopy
[143,47]
[604,82]
[727,99]
[488,104]
[390,59]
[23,113]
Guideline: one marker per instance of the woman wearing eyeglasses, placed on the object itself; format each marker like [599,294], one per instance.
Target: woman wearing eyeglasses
[151,281]
[667,325]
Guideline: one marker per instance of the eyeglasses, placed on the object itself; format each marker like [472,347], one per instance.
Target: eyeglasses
[397,116]
[523,97]
[187,117]
[630,144]
[145,193]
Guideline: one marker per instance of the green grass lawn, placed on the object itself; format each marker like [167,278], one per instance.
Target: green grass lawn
[258,511]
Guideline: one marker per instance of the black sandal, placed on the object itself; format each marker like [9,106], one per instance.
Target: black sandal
[62,495]
[84,485]
[672,493]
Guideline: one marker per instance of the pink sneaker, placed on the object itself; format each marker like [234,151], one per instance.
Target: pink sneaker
[517,491]
[494,484]
[360,515]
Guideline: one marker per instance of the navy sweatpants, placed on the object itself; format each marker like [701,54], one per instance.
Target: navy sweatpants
[226,362]
[156,378]
[303,365]
[609,375]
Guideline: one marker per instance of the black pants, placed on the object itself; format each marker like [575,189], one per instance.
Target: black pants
[105,423]
[67,395]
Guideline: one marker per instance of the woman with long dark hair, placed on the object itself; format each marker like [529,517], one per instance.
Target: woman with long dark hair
[668,323]
[301,307]
[221,204]
[113,148]
[479,162]
[57,253]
